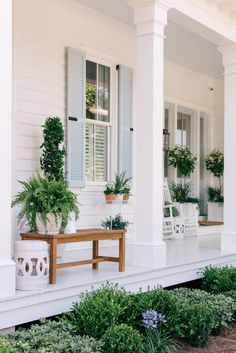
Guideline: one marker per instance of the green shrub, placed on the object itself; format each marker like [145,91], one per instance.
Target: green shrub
[161,300]
[222,307]
[122,339]
[218,280]
[12,346]
[197,323]
[98,310]
[54,336]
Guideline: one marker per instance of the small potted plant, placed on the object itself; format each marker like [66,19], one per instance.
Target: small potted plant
[109,192]
[115,223]
[45,204]
[120,185]
[126,191]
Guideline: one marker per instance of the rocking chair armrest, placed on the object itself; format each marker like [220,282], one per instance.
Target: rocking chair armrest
[170,209]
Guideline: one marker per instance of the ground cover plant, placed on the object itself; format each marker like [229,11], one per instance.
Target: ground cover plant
[111,320]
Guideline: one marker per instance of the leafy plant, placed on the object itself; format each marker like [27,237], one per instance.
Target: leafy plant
[157,341]
[53,336]
[53,151]
[182,193]
[126,189]
[219,280]
[42,196]
[215,164]
[181,157]
[115,223]
[121,182]
[122,338]
[215,194]
[109,188]
[99,310]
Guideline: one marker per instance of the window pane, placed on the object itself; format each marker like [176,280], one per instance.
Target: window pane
[184,130]
[103,93]
[91,90]
[96,152]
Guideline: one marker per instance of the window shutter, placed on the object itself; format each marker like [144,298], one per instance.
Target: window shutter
[125,120]
[76,83]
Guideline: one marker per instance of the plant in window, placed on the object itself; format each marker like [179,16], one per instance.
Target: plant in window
[215,164]
[115,223]
[53,151]
[181,157]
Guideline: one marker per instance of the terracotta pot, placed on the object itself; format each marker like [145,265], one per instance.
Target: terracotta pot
[110,198]
[125,198]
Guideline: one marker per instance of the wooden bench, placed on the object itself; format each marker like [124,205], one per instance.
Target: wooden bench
[94,235]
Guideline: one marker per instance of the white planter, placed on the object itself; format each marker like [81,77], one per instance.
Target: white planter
[32,264]
[52,227]
[215,212]
[71,224]
[119,199]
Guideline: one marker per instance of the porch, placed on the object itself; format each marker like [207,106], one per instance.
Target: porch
[185,260]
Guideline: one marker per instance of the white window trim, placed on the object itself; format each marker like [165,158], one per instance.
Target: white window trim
[112,124]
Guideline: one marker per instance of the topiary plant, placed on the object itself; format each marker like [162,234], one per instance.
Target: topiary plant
[122,339]
[53,151]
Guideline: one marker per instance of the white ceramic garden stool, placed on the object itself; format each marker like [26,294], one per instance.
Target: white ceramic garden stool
[32,264]
[179,228]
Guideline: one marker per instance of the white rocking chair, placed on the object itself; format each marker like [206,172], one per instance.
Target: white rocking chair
[177,226]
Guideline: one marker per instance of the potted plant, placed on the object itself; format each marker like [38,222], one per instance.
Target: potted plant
[120,185]
[109,192]
[215,164]
[45,204]
[126,192]
[182,193]
[115,223]
[181,157]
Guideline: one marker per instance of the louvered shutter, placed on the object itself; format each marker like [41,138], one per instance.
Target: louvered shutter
[125,119]
[76,83]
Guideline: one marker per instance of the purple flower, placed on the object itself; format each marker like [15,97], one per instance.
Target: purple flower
[152,319]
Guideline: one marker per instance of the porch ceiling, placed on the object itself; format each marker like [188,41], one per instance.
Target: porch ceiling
[227,7]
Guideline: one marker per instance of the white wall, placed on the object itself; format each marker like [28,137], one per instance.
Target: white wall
[42,31]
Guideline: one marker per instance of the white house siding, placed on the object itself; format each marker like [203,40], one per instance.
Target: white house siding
[42,31]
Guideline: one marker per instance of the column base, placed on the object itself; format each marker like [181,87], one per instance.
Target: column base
[7,278]
[228,241]
[149,255]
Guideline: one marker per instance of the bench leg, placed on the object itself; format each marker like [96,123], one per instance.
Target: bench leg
[122,254]
[95,253]
[53,262]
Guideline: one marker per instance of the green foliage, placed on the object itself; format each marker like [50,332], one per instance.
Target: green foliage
[157,341]
[121,183]
[53,152]
[169,206]
[181,157]
[109,188]
[222,307]
[182,193]
[43,196]
[122,339]
[215,163]
[53,336]
[99,310]
[90,96]
[115,223]
[13,346]
[161,300]
[197,323]
[215,194]
[219,280]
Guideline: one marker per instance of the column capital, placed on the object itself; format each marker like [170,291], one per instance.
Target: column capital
[150,16]
[228,51]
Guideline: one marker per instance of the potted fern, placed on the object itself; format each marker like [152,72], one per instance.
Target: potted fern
[45,204]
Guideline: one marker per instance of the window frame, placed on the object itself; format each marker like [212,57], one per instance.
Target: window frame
[111,157]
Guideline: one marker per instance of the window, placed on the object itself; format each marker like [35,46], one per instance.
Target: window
[98,121]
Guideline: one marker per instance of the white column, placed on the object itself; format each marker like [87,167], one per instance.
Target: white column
[150,18]
[7,266]
[228,241]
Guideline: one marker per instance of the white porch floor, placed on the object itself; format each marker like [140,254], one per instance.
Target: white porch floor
[185,260]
